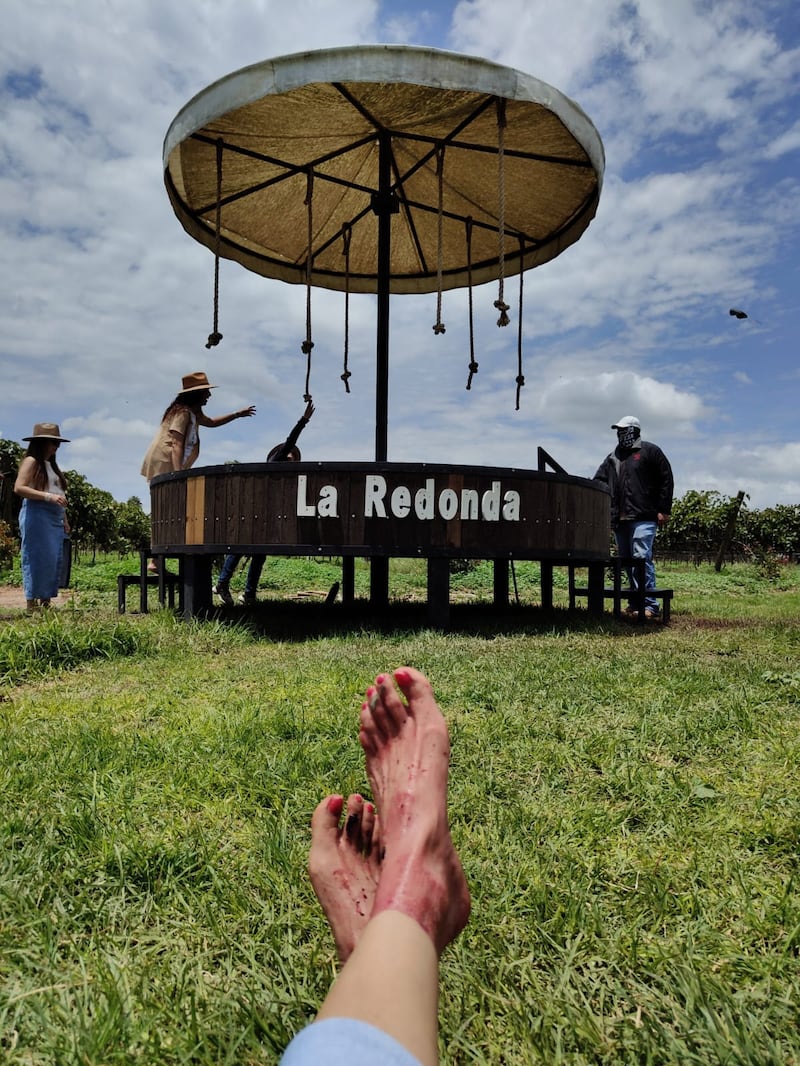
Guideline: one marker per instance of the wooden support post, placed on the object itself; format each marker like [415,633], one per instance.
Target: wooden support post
[379,581]
[546,580]
[501,584]
[439,593]
[595,585]
[616,566]
[196,585]
[348,579]
[143,560]
[730,529]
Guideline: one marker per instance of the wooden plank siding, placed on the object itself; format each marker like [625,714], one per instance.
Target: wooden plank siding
[254,507]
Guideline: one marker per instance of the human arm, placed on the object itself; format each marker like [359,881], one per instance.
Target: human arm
[205,420]
[603,473]
[25,488]
[291,440]
[176,442]
[666,486]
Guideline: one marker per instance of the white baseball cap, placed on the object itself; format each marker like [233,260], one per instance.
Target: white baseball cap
[626,421]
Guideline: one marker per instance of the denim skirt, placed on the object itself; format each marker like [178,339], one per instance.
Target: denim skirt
[41,527]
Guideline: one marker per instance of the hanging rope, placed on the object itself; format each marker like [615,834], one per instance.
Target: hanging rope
[500,303]
[473,366]
[520,375]
[215,336]
[347,231]
[308,344]
[439,325]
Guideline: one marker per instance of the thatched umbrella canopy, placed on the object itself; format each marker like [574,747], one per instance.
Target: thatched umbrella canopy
[383,169]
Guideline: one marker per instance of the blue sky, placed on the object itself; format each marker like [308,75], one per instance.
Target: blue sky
[106,302]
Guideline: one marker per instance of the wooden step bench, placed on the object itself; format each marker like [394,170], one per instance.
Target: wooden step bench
[617,594]
[665,595]
[166,583]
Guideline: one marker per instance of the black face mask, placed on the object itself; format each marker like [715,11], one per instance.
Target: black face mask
[628,436]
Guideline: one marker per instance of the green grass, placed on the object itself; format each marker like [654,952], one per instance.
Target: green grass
[625,800]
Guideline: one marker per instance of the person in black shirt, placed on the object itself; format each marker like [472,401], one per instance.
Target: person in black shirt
[281,453]
[639,478]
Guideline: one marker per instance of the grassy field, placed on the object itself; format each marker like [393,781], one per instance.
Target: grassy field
[625,800]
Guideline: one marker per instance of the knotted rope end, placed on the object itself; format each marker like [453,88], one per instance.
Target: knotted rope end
[503,308]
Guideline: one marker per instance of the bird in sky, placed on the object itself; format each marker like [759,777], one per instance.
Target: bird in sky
[737,314]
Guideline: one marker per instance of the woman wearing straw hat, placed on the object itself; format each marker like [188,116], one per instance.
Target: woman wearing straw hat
[43,519]
[176,444]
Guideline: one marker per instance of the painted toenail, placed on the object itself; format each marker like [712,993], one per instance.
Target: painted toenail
[335,804]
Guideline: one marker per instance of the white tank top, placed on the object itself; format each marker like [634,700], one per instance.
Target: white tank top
[53,480]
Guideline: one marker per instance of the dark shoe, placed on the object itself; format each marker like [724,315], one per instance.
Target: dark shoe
[652,616]
[246,599]
[224,594]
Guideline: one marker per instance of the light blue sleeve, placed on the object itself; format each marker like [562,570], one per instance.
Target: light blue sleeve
[345,1042]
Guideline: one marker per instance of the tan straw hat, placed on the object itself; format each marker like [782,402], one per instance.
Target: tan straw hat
[47,431]
[195,382]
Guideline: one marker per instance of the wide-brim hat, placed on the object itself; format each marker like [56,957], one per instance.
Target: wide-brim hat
[47,431]
[294,454]
[195,382]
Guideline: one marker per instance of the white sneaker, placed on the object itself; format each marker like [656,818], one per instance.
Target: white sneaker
[224,594]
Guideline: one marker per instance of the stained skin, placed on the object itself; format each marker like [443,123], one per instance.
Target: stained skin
[407,749]
[404,860]
[344,865]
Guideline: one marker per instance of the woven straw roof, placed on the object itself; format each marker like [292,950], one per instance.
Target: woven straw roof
[325,114]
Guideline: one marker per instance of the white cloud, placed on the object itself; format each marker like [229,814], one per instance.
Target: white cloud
[788,141]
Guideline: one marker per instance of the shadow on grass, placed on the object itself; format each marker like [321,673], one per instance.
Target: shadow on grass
[292,621]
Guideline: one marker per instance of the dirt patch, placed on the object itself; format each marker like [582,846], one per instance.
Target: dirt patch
[11,596]
[12,601]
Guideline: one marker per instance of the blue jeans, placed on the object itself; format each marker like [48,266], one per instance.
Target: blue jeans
[253,572]
[635,541]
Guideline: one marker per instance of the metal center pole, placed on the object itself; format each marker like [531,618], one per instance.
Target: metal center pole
[384,204]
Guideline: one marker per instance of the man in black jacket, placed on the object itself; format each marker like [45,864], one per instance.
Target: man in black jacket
[640,481]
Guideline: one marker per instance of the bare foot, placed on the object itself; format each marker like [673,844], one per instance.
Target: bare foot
[344,865]
[407,750]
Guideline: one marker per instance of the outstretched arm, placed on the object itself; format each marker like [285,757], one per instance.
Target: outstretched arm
[291,440]
[204,419]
